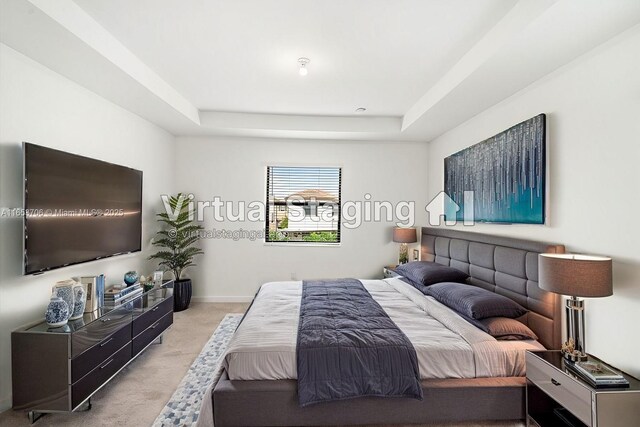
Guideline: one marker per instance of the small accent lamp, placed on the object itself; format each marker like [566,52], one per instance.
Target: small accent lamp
[575,276]
[404,236]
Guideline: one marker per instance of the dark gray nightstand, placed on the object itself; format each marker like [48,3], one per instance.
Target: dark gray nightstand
[557,397]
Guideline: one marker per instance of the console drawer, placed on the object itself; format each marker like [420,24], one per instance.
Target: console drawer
[100,352]
[560,387]
[151,316]
[96,378]
[151,333]
[99,330]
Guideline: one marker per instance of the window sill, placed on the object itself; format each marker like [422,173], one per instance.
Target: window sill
[304,244]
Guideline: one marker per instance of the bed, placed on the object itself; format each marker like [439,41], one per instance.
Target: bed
[458,363]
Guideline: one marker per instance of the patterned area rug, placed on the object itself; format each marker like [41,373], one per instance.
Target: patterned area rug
[184,406]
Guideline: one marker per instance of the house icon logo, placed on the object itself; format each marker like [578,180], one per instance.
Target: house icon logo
[443,207]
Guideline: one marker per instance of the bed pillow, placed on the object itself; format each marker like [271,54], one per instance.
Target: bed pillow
[504,328]
[475,302]
[427,273]
[422,288]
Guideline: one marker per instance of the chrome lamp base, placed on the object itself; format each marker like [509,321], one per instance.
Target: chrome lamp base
[574,348]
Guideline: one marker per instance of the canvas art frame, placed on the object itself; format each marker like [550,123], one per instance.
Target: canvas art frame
[502,177]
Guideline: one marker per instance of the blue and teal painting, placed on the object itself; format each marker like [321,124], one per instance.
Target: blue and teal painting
[502,179]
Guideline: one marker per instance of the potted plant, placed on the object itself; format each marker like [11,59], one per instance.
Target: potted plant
[178,237]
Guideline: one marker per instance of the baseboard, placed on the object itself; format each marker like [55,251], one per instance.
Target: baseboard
[5,404]
[222,299]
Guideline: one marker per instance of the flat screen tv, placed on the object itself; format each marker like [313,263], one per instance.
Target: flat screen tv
[77,209]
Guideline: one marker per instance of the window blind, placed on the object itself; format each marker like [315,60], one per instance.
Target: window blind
[303,204]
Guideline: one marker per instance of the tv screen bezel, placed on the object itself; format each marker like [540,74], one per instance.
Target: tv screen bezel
[25,216]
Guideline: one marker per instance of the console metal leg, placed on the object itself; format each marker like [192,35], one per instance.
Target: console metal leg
[86,406]
[159,339]
[34,416]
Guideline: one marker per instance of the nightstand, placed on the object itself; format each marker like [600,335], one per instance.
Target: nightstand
[388,271]
[557,397]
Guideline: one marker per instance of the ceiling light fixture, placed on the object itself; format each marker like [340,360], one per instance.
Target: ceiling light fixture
[361,110]
[303,71]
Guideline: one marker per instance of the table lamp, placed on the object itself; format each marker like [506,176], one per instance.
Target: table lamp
[575,276]
[404,236]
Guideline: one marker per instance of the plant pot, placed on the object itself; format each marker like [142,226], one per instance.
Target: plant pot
[181,294]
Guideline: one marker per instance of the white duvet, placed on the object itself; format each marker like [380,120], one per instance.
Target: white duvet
[447,346]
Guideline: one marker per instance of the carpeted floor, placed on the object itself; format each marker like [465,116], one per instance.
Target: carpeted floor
[139,393]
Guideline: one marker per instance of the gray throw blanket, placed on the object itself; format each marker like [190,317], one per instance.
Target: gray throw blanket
[349,347]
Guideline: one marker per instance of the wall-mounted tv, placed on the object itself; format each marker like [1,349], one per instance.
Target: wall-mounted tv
[77,209]
[502,177]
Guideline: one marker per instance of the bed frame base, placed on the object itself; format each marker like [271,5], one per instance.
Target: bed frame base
[275,403]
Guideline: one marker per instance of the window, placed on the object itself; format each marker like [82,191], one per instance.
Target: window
[303,204]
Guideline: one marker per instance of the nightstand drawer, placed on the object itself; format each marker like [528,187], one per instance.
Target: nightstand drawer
[560,387]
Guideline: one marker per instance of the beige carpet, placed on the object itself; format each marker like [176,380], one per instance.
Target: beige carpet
[138,394]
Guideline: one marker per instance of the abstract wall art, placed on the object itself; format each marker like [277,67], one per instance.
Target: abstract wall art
[502,178]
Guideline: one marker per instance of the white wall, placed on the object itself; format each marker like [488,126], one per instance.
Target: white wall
[39,106]
[235,169]
[593,123]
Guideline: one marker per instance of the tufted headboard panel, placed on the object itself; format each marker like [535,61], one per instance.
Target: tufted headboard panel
[502,265]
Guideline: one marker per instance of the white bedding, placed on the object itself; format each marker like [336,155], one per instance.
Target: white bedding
[447,346]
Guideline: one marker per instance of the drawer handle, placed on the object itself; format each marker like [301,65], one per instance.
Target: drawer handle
[106,364]
[554,382]
[155,308]
[105,320]
[106,342]
[156,325]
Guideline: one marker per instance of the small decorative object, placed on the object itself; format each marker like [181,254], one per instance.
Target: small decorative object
[57,312]
[64,290]
[177,243]
[404,236]
[157,278]
[143,280]
[79,301]
[575,276]
[131,278]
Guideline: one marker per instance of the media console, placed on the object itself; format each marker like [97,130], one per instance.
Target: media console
[59,369]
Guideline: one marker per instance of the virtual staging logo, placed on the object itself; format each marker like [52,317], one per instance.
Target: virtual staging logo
[298,210]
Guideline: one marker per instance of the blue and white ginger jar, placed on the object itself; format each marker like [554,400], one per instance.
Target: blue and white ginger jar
[64,290]
[57,312]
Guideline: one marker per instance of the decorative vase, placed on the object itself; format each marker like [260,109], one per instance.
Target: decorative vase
[79,302]
[181,294]
[64,290]
[131,278]
[57,312]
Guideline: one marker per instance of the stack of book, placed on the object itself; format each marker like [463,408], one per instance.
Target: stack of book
[115,297]
[598,375]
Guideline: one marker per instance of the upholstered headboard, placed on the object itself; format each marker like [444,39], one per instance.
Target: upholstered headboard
[505,266]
